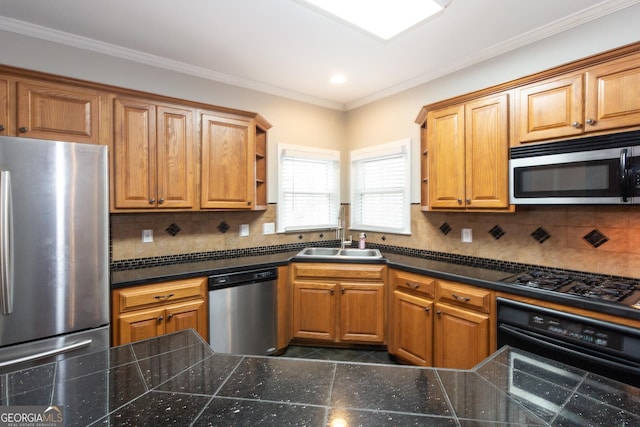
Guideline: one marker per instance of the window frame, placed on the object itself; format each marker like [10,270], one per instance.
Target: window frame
[310,154]
[400,148]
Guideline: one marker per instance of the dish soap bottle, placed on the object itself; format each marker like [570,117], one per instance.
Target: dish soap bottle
[362,242]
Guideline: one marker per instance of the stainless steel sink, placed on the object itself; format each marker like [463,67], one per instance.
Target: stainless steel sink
[337,253]
[361,253]
[322,252]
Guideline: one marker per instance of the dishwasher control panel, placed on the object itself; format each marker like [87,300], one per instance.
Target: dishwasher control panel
[242,278]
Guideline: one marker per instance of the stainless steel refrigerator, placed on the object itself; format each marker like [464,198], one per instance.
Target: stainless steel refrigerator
[54,275]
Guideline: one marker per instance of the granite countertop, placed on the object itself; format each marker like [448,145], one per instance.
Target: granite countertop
[176,379]
[473,275]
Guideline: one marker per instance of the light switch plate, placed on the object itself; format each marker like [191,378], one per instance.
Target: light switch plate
[244,230]
[147,236]
[467,235]
[269,228]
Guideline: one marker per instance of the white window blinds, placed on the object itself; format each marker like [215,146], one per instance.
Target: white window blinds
[380,188]
[308,188]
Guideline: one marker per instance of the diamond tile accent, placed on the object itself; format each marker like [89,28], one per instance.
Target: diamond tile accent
[596,238]
[173,229]
[497,232]
[540,235]
[445,228]
[223,227]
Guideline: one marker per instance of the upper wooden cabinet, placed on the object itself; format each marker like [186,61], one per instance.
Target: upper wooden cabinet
[598,98]
[4,106]
[467,152]
[154,153]
[227,162]
[48,110]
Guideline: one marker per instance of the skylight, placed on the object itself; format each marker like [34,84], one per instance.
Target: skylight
[383,18]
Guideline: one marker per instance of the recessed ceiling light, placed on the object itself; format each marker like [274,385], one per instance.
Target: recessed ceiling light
[338,79]
[384,18]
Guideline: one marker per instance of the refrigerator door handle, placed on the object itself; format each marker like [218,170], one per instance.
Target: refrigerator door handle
[6,243]
[47,353]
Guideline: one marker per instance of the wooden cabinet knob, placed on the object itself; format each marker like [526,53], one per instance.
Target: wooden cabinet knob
[160,201]
[576,125]
[1,128]
[152,201]
[22,129]
[160,319]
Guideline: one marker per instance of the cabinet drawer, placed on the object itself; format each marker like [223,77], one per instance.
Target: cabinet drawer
[465,296]
[339,271]
[141,296]
[416,283]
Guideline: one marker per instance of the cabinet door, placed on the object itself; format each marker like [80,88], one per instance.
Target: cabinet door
[191,314]
[4,106]
[487,153]
[58,112]
[140,325]
[228,158]
[461,337]
[446,151]
[613,94]
[362,312]
[176,145]
[551,109]
[314,310]
[134,152]
[411,329]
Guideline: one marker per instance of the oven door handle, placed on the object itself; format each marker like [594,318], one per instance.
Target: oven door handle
[630,367]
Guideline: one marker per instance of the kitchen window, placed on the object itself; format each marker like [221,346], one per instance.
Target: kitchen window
[380,188]
[308,189]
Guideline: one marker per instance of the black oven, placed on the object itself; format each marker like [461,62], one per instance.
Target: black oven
[604,348]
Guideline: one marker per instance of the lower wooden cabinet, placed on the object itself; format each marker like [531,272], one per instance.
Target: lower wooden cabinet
[143,312]
[434,322]
[339,303]
[461,337]
[410,336]
[411,317]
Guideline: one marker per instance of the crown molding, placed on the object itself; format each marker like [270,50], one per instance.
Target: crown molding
[85,43]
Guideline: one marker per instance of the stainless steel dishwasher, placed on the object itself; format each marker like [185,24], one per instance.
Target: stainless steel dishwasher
[242,312]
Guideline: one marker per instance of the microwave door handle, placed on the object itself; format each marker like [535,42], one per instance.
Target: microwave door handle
[624,174]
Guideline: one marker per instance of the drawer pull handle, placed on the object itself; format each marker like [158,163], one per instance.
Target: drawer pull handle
[461,298]
[169,316]
[164,296]
[160,319]
[426,309]
[413,285]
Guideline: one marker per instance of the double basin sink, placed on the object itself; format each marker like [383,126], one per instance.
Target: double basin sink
[337,253]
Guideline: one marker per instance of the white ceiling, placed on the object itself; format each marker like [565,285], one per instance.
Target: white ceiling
[287,48]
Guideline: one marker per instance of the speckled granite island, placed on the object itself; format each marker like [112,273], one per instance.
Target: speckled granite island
[177,380]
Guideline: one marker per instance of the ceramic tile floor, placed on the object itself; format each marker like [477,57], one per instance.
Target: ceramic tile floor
[340,354]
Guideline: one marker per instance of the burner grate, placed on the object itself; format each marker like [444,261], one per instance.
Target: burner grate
[589,287]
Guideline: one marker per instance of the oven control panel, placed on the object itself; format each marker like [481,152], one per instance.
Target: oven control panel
[576,331]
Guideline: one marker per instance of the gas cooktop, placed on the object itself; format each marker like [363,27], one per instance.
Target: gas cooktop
[626,292]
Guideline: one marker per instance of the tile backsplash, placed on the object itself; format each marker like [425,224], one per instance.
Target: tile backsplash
[597,239]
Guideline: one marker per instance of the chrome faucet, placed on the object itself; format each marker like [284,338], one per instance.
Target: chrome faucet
[342,229]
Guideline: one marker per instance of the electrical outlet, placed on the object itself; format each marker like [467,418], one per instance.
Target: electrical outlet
[244,230]
[269,228]
[147,236]
[467,235]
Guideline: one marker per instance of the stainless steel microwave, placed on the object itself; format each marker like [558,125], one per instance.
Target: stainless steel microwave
[595,170]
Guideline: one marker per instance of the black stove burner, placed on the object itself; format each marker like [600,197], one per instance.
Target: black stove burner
[541,280]
[589,287]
